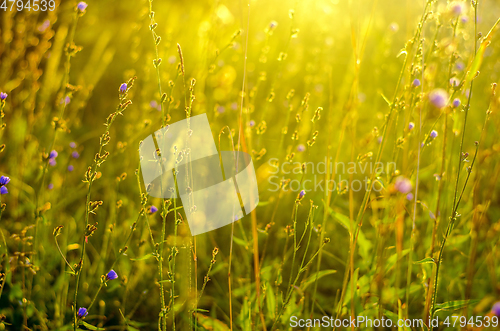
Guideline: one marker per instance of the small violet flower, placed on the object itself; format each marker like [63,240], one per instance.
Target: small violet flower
[403,185]
[439,98]
[251,123]
[82,312]
[75,155]
[111,275]
[416,82]
[82,6]
[433,134]
[454,82]
[301,194]
[4,180]
[411,125]
[50,186]
[301,148]
[72,144]
[457,7]
[123,88]
[52,158]
[496,308]
[153,209]
[456,103]
[3,96]
[71,168]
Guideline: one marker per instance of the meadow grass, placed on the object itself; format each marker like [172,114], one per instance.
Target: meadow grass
[400,94]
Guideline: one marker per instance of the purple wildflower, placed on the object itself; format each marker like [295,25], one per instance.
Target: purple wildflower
[416,82]
[44,26]
[496,308]
[75,155]
[251,123]
[3,96]
[301,148]
[53,154]
[50,186]
[123,88]
[454,81]
[409,196]
[52,162]
[82,6]
[72,144]
[155,105]
[403,185]
[301,194]
[411,125]
[439,98]
[71,168]
[456,102]
[153,209]
[457,7]
[111,275]
[220,109]
[4,180]
[82,312]
[433,134]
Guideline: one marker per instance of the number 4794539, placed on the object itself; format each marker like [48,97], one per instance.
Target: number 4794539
[35,5]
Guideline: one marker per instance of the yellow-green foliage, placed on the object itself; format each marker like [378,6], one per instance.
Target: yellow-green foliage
[392,103]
